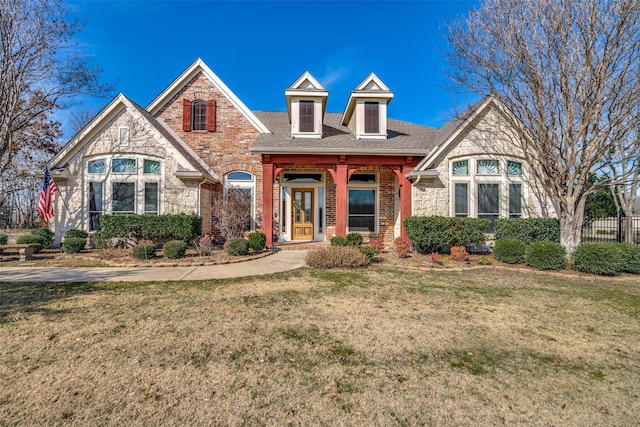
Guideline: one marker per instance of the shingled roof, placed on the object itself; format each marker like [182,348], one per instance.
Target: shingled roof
[404,138]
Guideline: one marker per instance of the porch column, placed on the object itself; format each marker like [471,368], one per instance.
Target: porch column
[341,200]
[405,199]
[267,202]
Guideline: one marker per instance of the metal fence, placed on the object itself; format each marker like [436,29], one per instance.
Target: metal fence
[612,229]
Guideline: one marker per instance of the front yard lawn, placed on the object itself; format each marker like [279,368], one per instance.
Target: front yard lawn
[366,347]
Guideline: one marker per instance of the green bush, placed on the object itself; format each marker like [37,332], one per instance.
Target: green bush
[546,256]
[46,234]
[159,227]
[100,241]
[607,259]
[144,251]
[631,258]
[338,241]
[73,233]
[4,239]
[257,241]
[371,252]
[528,230]
[174,249]
[237,246]
[27,239]
[431,233]
[354,239]
[337,257]
[73,245]
[511,251]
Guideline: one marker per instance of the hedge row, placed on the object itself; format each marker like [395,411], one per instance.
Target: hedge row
[151,227]
[607,259]
[432,233]
[528,230]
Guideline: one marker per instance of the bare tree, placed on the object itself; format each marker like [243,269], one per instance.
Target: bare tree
[231,212]
[40,69]
[568,71]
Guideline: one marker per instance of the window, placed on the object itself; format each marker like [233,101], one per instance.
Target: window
[371,117]
[96,166]
[489,203]
[151,167]
[461,200]
[95,205]
[515,200]
[514,168]
[487,167]
[302,177]
[369,178]
[199,115]
[461,167]
[151,198]
[123,137]
[123,198]
[124,166]
[240,186]
[306,116]
[362,210]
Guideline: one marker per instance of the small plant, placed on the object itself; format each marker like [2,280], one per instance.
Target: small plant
[378,242]
[485,260]
[435,258]
[73,245]
[237,246]
[546,256]
[3,239]
[144,250]
[204,244]
[46,234]
[73,233]
[257,241]
[509,250]
[337,257]
[459,253]
[174,249]
[401,247]
[338,241]
[27,239]
[371,251]
[354,239]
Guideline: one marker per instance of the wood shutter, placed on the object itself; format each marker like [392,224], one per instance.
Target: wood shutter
[186,115]
[211,115]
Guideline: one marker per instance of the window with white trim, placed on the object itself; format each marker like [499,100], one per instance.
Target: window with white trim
[488,188]
[362,203]
[241,186]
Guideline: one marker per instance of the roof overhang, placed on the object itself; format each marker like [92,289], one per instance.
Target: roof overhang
[334,151]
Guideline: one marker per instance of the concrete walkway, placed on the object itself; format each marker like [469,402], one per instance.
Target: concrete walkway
[276,263]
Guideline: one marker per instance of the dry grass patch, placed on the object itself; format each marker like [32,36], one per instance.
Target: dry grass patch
[365,347]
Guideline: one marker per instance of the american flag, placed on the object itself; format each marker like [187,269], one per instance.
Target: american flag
[45,207]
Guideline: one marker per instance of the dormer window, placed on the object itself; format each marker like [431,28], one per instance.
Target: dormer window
[306,116]
[371,117]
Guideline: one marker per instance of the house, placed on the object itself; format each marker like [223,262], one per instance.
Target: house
[311,174]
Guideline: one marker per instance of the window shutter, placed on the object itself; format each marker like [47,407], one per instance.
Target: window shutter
[186,115]
[211,115]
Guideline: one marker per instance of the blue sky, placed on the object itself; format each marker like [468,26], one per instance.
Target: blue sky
[259,48]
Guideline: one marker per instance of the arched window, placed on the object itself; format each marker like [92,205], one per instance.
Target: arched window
[199,115]
[240,195]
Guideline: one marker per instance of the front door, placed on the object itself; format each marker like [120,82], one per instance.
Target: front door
[302,214]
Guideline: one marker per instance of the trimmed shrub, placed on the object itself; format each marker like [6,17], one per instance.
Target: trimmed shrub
[459,253]
[546,256]
[4,239]
[73,233]
[160,227]
[144,251]
[354,239]
[631,258]
[337,257]
[237,246]
[257,241]
[174,249]
[431,233]
[401,247]
[338,241]
[100,241]
[371,251]
[607,259]
[46,234]
[510,250]
[379,244]
[73,245]
[40,240]
[528,230]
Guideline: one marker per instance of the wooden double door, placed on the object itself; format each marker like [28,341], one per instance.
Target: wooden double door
[302,214]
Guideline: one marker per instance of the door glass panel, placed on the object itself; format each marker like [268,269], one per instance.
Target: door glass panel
[307,206]
[298,205]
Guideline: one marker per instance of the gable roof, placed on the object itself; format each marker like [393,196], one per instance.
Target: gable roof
[192,70]
[405,139]
[306,86]
[118,104]
[371,87]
